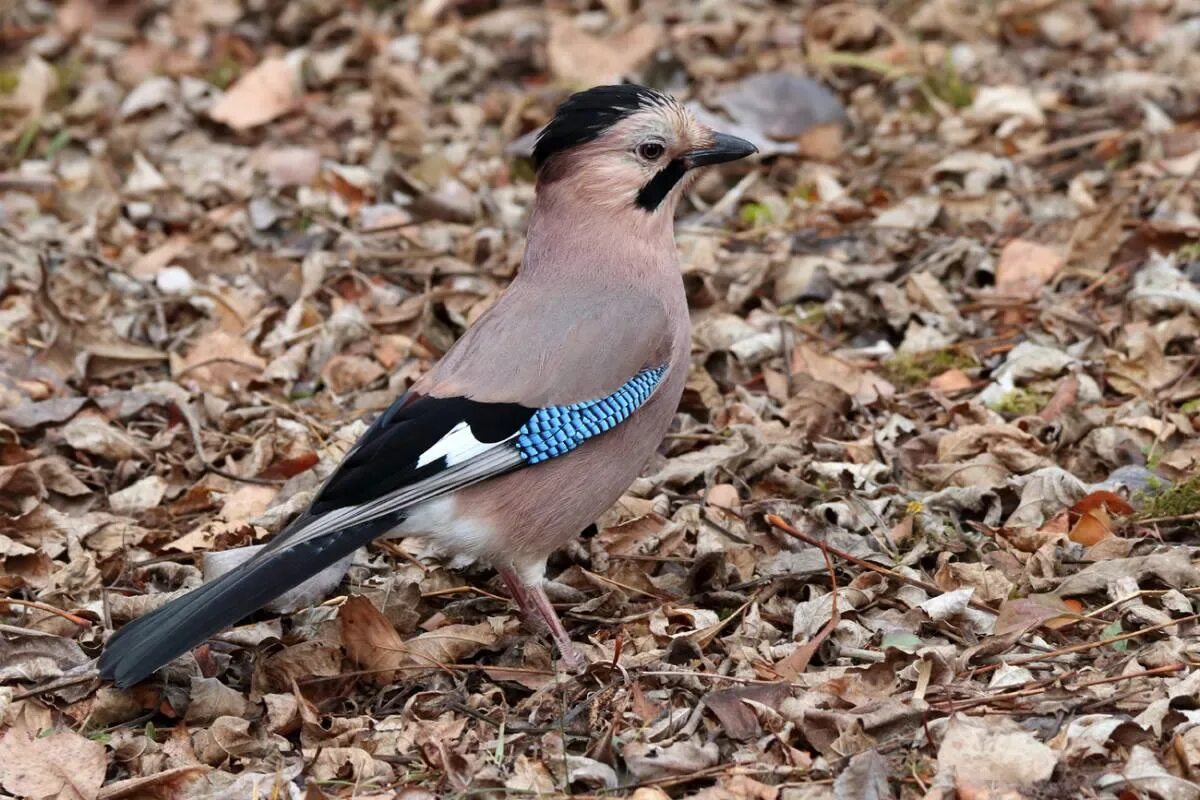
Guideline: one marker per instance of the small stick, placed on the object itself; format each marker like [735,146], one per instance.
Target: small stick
[1041,686]
[1078,648]
[47,608]
[776,521]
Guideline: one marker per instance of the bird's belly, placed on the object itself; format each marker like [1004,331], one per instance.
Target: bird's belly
[443,520]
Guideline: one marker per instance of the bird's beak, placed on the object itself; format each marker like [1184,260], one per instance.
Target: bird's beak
[723,148]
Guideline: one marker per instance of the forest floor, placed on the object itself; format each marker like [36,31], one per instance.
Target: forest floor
[926,523]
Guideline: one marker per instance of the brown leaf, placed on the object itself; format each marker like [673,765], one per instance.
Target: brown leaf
[37,658]
[290,467]
[1103,499]
[32,415]
[1024,267]
[62,765]
[580,59]
[93,434]
[1025,613]
[217,362]
[864,778]
[1093,526]
[370,640]
[169,784]
[737,718]
[211,699]
[268,91]
[347,373]
[993,750]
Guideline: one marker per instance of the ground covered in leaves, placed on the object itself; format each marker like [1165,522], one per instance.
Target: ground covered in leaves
[926,525]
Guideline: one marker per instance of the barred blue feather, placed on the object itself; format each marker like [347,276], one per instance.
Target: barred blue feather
[556,430]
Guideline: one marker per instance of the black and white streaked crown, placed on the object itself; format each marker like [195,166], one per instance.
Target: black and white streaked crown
[585,115]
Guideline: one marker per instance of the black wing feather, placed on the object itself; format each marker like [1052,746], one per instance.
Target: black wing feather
[386,456]
[382,461]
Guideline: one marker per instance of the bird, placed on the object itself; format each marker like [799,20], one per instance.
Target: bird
[539,417]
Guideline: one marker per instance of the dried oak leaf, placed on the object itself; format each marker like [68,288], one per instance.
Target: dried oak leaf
[993,751]
[648,761]
[268,91]
[578,58]
[346,764]
[37,658]
[94,434]
[373,644]
[166,785]
[62,765]
[1172,568]
[211,699]
[22,486]
[864,778]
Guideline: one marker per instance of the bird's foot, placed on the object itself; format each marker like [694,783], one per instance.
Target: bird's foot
[538,613]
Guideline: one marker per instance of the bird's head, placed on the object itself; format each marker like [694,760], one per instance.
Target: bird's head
[628,147]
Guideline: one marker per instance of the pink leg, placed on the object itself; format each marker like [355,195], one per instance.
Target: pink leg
[536,607]
[520,596]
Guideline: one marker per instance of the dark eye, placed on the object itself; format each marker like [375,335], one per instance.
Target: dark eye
[650,150]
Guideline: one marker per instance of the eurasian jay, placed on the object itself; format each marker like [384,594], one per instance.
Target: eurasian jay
[540,416]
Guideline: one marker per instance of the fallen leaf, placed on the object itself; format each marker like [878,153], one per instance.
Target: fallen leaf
[1024,267]
[864,778]
[993,751]
[93,434]
[370,640]
[1093,526]
[580,59]
[61,765]
[262,94]
[1105,499]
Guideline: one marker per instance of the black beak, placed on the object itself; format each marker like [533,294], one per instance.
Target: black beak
[723,148]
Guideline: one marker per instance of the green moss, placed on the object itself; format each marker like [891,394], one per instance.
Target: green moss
[913,370]
[756,214]
[69,75]
[9,80]
[1190,406]
[1189,252]
[224,72]
[1177,500]
[811,313]
[1020,403]
[948,85]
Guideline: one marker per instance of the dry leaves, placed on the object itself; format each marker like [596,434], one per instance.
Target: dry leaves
[946,324]
[57,764]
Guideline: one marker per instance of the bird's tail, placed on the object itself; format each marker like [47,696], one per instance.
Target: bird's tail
[150,642]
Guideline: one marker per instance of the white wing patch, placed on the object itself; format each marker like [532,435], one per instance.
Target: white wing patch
[458,445]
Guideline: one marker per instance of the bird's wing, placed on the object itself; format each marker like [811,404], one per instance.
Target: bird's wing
[540,348]
[419,448]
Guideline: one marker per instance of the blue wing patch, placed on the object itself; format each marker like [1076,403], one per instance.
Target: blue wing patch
[556,430]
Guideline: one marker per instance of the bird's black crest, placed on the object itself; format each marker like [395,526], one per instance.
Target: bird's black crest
[586,115]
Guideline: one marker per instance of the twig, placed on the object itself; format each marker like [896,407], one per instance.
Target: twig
[1070,143]
[1175,518]
[776,521]
[48,609]
[1078,648]
[1041,686]
[17,630]
[61,683]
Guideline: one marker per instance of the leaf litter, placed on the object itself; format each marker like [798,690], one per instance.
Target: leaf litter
[926,523]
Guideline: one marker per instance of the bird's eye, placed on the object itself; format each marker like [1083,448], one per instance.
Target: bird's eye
[650,150]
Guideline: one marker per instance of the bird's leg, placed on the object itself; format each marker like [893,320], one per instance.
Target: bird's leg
[536,607]
[520,595]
